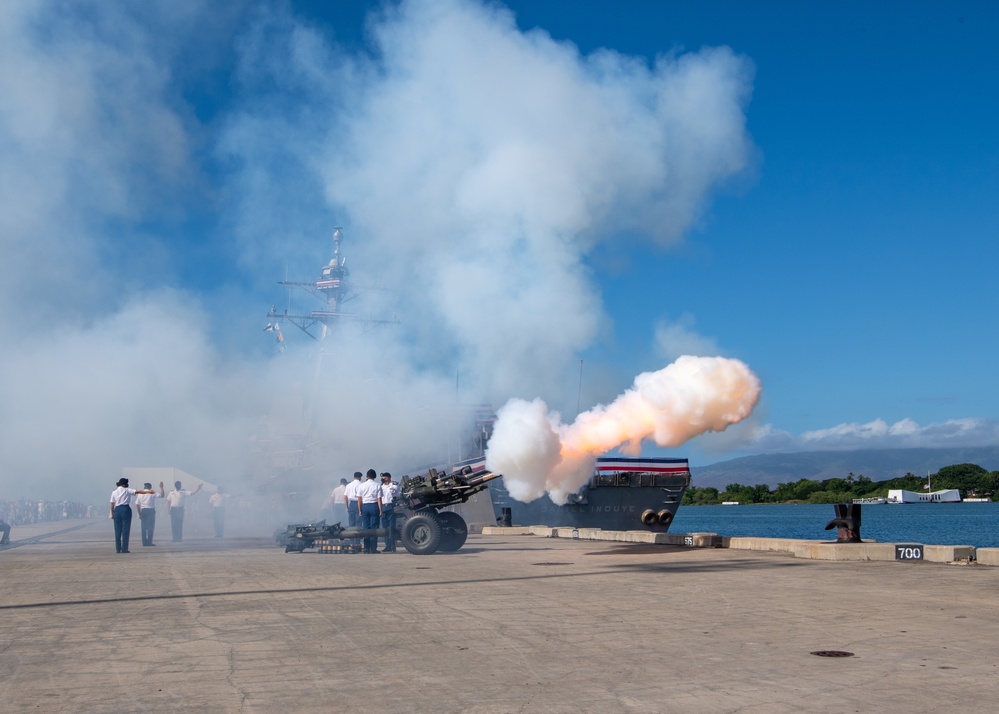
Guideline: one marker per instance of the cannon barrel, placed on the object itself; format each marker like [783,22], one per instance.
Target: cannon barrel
[362,533]
[297,538]
[439,490]
[477,478]
[344,533]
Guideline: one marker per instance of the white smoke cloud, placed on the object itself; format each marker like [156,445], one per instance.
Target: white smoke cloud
[86,131]
[537,454]
[96,374]
[482,164]
[473,165]
[93,399]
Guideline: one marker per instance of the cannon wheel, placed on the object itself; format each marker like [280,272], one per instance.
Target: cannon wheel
[422,534]
[454,531]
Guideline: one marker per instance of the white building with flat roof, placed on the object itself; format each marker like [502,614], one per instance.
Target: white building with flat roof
[950,495]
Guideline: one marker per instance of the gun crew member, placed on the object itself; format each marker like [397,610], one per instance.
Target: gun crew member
[351,502]
[369,501]
[390,493]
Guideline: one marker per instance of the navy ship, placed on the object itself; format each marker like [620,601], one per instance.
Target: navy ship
[623,494]
[288,448]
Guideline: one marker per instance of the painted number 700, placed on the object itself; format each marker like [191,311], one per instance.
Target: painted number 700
[908,552]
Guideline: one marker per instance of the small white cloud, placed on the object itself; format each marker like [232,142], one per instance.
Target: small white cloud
[878,434]
[675,339]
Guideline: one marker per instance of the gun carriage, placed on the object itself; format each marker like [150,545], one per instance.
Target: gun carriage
[426,527]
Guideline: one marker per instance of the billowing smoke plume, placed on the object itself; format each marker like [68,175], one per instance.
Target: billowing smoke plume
[484,164]
[164,164]
[536,453]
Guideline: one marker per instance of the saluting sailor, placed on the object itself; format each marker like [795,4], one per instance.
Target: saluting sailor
[121,512]
[145,504]
[175,505]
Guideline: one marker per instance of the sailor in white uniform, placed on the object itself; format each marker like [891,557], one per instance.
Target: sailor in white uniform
[175,505]
[390,493]
[145,504]
[121,513]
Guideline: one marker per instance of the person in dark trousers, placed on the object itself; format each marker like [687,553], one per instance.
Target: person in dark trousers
[217,501]
[5,527]
[390,492]
[350,501]
[121,513]
[369,501]
[145,504]
[175,505]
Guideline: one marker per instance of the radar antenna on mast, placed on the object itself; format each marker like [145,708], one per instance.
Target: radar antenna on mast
[334,289]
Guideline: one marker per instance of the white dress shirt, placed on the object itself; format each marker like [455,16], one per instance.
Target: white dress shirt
[350,493]
[369,491]
[146,500]
[390,492]
[122,496]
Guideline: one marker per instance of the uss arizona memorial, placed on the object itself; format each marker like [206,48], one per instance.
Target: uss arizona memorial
[950,495]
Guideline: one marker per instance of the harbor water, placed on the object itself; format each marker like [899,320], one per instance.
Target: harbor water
[974,524]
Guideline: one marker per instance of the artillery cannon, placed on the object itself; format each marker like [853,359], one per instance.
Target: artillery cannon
[426,529]
[429,528]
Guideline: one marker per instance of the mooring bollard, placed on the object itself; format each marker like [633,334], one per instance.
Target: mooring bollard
[846,523]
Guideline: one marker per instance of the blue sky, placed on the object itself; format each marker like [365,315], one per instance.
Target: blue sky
[852,270]
[809,189]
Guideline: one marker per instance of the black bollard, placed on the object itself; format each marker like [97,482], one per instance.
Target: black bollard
[846,523]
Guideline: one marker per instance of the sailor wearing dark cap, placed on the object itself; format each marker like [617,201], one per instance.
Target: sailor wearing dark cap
[121,512]
[369,498]
[390,492]
[145,504]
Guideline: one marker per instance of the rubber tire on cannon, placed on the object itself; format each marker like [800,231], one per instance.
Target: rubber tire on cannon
[421,535]
[429,531]
[454,531]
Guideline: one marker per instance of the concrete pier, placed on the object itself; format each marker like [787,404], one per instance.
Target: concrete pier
[510,623]
[812,549]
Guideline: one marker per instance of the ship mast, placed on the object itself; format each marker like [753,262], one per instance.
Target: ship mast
[334,289]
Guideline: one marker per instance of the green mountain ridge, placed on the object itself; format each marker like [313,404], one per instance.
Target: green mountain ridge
[875,464]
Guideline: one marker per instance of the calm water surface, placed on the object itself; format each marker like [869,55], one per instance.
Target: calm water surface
[974,524]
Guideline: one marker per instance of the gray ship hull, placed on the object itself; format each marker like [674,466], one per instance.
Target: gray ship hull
[624,494]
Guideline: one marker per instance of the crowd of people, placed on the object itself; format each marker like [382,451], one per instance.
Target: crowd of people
[24,511]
